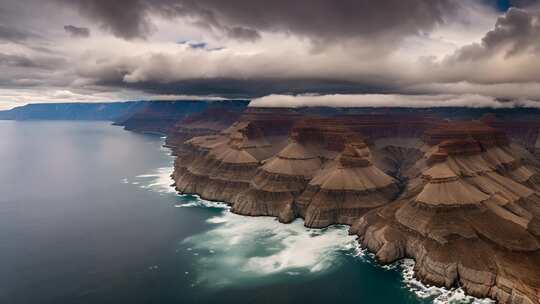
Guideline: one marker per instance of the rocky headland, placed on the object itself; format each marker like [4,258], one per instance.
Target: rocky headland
[160,117]
[469,216]
[211,121]
[459,197]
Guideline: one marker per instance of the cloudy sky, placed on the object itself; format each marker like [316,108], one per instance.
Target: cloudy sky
[102,50]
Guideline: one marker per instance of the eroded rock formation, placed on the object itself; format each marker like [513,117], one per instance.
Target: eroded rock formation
[468,216]
[219,167]
[324,174]
[161,116]
[208,122]
[458,197]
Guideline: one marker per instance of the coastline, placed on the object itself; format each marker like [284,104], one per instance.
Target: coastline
[423,290]
[438,294]
[220,168]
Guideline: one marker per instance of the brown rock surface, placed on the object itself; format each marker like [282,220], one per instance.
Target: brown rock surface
[458,197]
[467,217]
[324,174]
[220,167]
[208,122]
[522,130]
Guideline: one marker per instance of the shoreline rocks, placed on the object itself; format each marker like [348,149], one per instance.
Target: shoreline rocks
[459,198]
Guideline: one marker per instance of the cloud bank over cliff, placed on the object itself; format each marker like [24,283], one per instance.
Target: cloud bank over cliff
[389,100]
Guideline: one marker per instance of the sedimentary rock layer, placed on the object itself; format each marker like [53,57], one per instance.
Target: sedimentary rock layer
[467,217]
[208,122]
[460,198]
[220,167]
[324,174]
[161,116]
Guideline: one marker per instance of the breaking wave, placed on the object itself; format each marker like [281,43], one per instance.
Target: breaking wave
[438,295]
[240,248]
[160,180]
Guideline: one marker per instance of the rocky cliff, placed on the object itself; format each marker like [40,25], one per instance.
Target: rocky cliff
[460,198]
[208,122]
[522,129]
[161,116]
[469,216]
[219,167]
[324,174]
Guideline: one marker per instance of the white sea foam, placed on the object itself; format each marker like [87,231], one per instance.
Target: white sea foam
[439,295]
[196,201]
[159,180]
[241,248]
[248,247]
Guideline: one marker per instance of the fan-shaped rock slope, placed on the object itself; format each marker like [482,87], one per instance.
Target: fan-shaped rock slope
[219,167]
[467,217]
[323,162]
[460,198]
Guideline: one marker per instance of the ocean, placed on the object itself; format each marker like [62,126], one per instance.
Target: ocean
[87,215]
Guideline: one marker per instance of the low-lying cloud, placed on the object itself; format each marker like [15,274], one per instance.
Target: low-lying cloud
[389,100]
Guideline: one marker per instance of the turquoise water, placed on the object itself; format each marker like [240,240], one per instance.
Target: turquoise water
[87,216]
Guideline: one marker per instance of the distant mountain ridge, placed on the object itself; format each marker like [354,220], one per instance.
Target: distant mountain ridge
[160,116]
[72,111]
[143,116]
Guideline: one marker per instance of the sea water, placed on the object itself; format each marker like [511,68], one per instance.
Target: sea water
[87,215]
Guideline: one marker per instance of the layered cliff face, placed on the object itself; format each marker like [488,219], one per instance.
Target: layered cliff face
[522,129]
[469,216]
[323,171]
[208,122]
[346,188]
[285,175]
[324,175]
[220,167]
[458,197]
[161,116]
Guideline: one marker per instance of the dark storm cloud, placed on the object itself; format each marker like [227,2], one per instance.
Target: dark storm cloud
[78,32]
[24,61]
[124,18]
[515,33]
[242,33]
[16,61]
[12,34]
[249,88]
[244,19]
